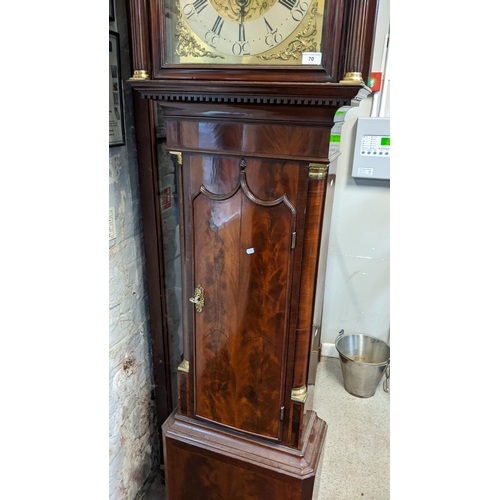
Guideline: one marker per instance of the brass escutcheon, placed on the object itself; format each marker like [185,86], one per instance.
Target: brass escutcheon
[199,298]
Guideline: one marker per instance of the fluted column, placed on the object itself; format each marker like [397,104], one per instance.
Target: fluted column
[357,15]
[140,40]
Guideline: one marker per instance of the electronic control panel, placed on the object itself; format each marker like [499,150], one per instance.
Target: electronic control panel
[372,149]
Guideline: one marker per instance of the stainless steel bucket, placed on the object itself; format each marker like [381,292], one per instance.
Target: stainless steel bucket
[364,359]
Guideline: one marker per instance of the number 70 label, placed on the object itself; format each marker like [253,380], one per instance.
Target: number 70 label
[311,57]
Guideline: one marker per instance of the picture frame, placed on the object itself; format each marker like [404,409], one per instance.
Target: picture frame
[111,10]
[116,120]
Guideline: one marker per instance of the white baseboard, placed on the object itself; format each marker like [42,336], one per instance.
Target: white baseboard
[329,350]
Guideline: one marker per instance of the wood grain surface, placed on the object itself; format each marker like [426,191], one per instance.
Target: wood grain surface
[242,259]
[204,462]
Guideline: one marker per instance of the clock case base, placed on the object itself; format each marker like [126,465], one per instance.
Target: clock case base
[203,461]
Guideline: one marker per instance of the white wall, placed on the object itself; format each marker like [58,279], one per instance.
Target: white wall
[357,281]
[383,18]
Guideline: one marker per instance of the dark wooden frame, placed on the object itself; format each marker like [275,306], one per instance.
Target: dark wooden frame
[335,41]
[331,40]
[151,223]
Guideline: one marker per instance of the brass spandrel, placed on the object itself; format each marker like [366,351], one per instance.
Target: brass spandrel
[305,41]
[187,44]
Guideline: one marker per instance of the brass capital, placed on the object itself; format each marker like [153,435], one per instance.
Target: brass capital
[179,156]
[139,75]
[353,77]
[318,171]
[184,366]
[299,394]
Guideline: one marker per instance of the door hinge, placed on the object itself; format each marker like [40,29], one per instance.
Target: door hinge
[282,414]
[294,239]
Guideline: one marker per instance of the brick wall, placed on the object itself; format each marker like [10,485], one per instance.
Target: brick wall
[133,446]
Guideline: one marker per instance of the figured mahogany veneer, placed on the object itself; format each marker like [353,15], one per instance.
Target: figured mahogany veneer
[246,191]
[242,258]
[203,462]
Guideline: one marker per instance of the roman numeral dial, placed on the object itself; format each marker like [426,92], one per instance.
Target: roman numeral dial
[242,28]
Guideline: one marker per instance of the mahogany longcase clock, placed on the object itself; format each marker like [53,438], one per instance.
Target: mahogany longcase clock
[234,104]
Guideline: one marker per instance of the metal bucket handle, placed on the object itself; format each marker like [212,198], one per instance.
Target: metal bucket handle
[387,376]
[340,335]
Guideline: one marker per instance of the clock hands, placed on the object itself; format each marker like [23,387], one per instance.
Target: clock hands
[243,4]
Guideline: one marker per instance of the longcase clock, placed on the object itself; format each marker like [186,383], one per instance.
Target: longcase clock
[244,93]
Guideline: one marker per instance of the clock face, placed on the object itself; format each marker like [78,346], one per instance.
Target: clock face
[257,32]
